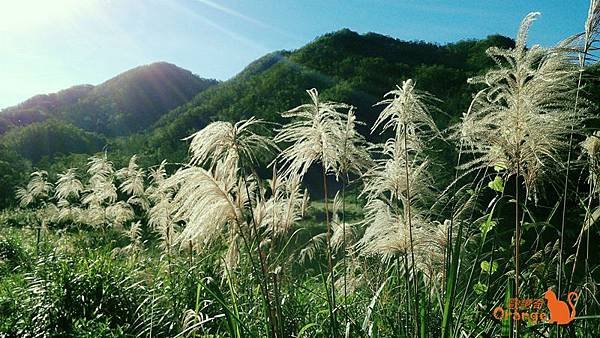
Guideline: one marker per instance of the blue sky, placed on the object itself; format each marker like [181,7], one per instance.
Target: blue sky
[48,45]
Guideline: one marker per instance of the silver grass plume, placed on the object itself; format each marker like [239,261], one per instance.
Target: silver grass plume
[387,233]
[316,135]
[68,212]
[132,183]
[38,188]
[591,149]
[524,115]
[354,156]
[411,108]
[68,185]
[68,190]
[135,237]
[408,114]
[160,216]
[314,246]
[100,188]
[432,253]
[212,201]
[283,208]
[224,141]
[204,203]
[401,167]
[589,38]
[387,179]
[119,213]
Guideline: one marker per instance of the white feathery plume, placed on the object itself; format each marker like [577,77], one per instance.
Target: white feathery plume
[132,183]
[100,166]
[388,178]
[132,177]
[119,213]
[591,149]
[431,253]
[157,176]
[400,177]
[204,203]
[100,188]
[522,119]
[354,156]
[387,234]
[135,237]
[316,135]
[68,185]
[220,140]
[94,215]
[315,245]
[160,216]
[38,188]
[408,111]
[283,208]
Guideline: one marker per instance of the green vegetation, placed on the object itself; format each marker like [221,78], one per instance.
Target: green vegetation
[413,192]
[127,103]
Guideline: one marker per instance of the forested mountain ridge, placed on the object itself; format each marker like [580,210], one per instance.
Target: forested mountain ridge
[345,66]
[126,103]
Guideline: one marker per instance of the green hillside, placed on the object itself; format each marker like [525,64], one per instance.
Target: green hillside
[129,102]
[127,114]
[344,66]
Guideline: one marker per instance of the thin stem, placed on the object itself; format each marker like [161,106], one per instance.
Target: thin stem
[408,293]
[587,223]
[587,277]
[344,249]
[452,268]
[261,258]
[399,314]
[410,234]
[566,181]
[329,257]
[517,240]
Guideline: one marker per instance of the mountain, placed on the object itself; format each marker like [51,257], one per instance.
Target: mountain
[344,66]
[129,102]
[128,114]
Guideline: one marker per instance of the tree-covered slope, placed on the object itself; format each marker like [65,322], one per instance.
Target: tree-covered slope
[127,114]
[129,102]
[343,66]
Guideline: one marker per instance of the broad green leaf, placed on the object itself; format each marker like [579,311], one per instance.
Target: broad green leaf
[497,184]
[486,226]
[485,267]
[480,288]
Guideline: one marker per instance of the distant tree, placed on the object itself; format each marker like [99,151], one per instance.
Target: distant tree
[14,170]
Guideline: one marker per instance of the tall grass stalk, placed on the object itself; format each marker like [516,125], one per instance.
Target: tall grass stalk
[263,264]
[316,136]
[589,37]
[410,230]
[331,296]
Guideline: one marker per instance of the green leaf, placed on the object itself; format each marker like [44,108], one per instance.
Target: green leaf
[480,288]
[486,226]
[500,167]
[497,184]
[485,267]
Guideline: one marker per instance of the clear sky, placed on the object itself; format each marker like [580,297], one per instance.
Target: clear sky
[48,45]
